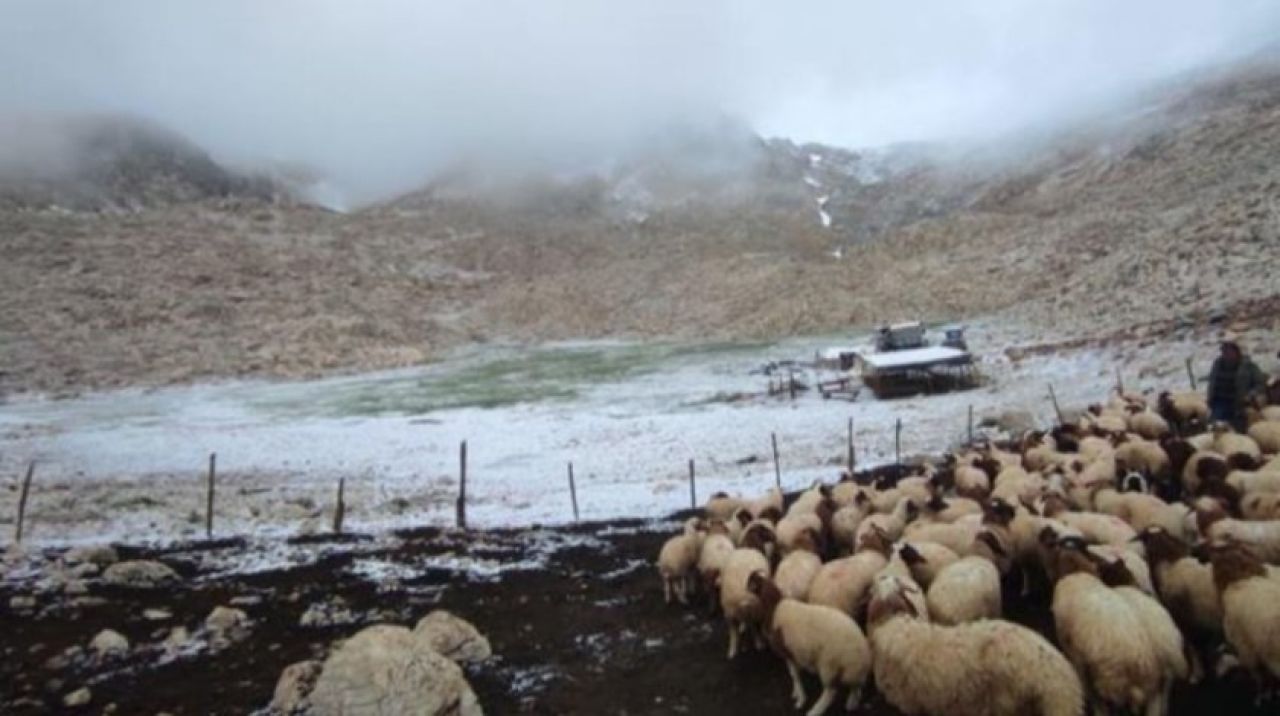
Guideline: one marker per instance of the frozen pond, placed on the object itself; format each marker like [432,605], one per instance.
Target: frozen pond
[629,415]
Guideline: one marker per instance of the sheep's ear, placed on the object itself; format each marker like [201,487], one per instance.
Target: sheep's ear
[911,555]
[755,583]
[861,498]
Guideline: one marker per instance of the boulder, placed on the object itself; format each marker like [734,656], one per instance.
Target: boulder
[386,670]
[109,643]
[453,637]
[224,620]
[295,684]
[79,697]
[139,574]
[100,556]
[1016,422]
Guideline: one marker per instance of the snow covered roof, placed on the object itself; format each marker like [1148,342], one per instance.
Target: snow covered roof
[914,358]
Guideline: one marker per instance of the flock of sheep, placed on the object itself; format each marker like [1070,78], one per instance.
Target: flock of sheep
[1153,531]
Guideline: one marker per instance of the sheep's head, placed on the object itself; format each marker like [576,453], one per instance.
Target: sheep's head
[910,554]
[1114,572]
[936,503]
[770,514]
[997,511]
[1233,562]
[889,598]
[992,542]
[1209,511]
[1073,556]
[875,539]
[717,527]
[743,516]
[1161,546]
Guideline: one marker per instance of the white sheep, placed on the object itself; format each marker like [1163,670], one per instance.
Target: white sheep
[986,668]
[716,548]
[843,583]
[742,611]
[816,639]
[1185,584]
[1161,630]
[966,590]
[924,560]
[1262,538]
[798,569]
[1254,481]
[1103,637]
[722,507]
[1266,433]
[1250,609]
[892,524]
[1148,424]
[678,561]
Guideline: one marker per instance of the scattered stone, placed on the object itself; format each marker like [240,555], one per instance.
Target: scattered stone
[246,600]
[85,569]
[156,615]
[79,697]
[227,624]
[387,670]
[22,602]
[296,682]
[178,639]
[453,637]
[100,556]
[88,602]
[1016,422]
[75,588]
[109,643]
[326,614]
[139,574]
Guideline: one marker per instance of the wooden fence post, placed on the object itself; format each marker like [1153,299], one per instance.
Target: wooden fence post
[340,511]
[791,382]
[208,503]
[22,500]
[970,425]
[777,467]
[693,490]
[1056,408]
[461,516]
[897,446]
[1191,375]
[851,457]
[573,492]
[1119,382]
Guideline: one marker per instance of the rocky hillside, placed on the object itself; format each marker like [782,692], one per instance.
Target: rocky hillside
[1162,211]
[109,163]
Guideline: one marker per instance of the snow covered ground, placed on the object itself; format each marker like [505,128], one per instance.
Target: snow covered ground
[130,465]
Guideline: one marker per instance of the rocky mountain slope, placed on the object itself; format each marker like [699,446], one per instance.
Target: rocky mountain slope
[1163,210]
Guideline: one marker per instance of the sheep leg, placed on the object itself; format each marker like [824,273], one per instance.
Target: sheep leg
[824,701]
[733,639]
[682,590]
[797,687]
[757,636]
[855,696]
[666,589]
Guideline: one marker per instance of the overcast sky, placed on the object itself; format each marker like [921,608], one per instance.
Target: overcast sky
[377,92]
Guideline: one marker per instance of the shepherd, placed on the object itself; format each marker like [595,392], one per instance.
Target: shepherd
[1234,381]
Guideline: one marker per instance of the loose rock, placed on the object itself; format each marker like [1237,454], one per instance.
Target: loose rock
[387,670]
[139,574]
[296,682]
[109,643]
[101,556]
[79,697]
[453,637]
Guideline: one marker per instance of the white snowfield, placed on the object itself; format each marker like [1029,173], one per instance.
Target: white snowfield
[130,465]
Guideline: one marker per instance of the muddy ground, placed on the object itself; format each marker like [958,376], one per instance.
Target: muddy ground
[581,629]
